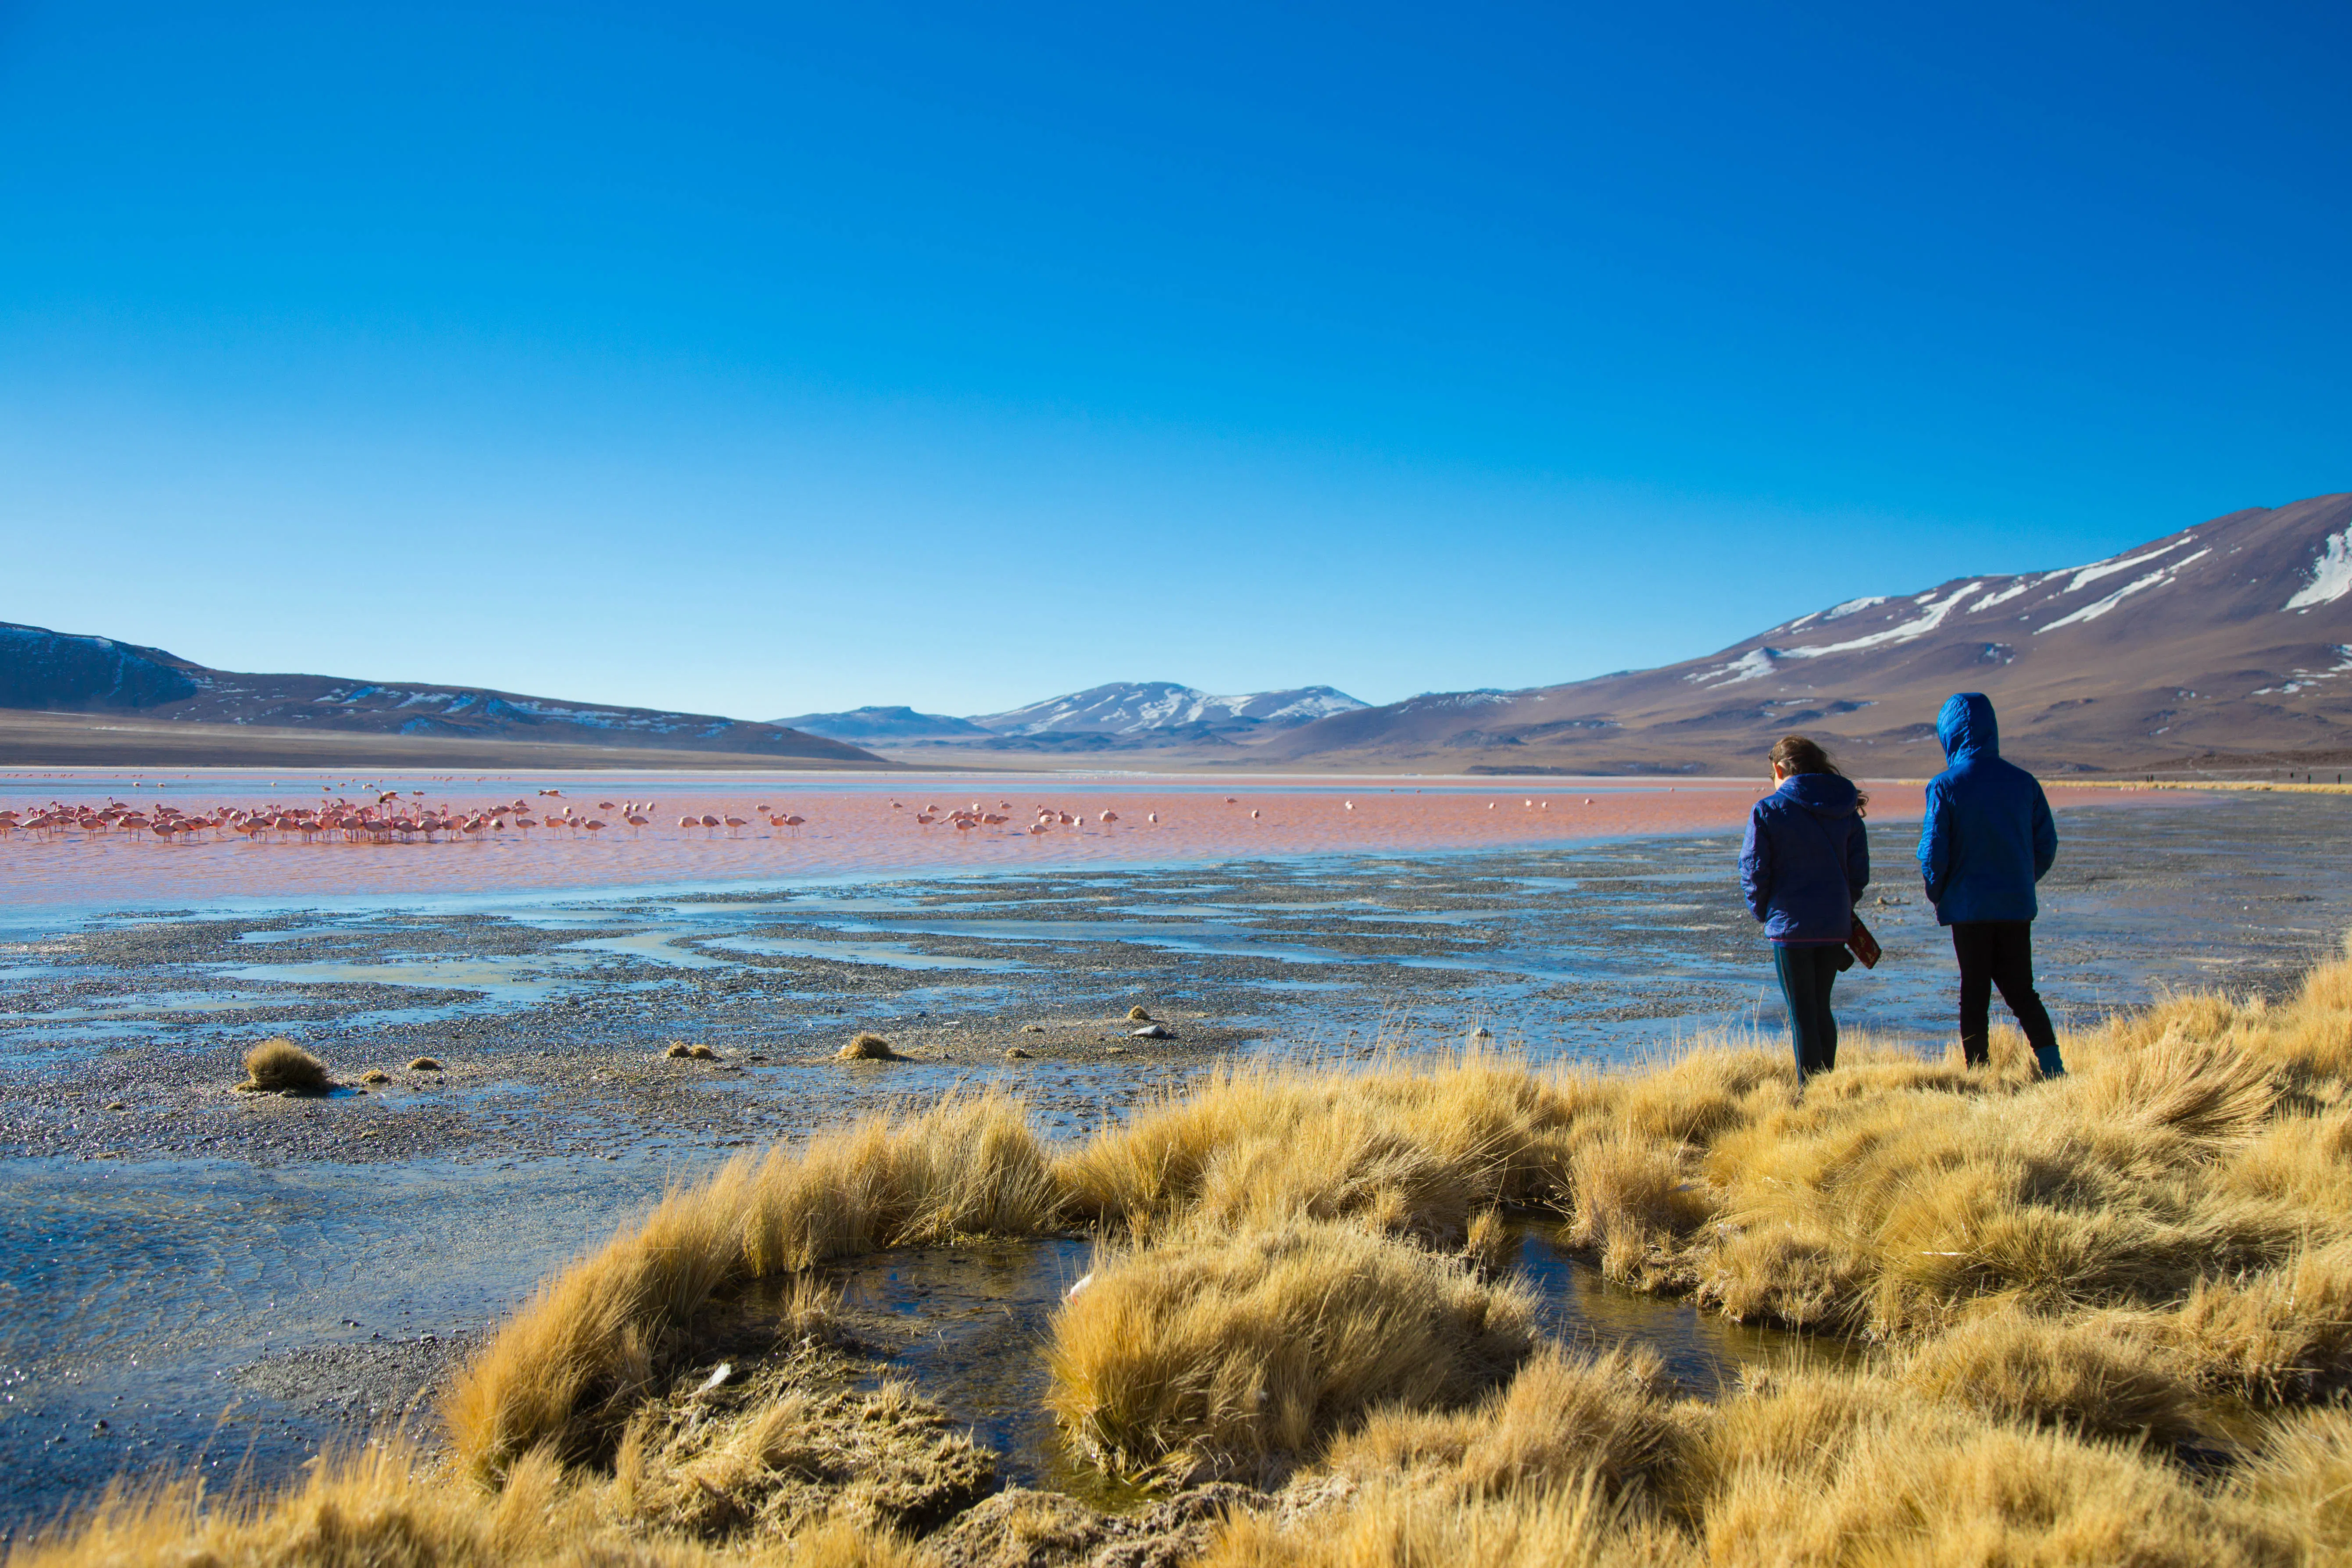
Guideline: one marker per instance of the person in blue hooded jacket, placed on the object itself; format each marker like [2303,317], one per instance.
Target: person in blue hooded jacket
[1805,861]
[1986,840]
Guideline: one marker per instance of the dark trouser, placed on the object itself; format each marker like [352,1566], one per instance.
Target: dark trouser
[1807,971]
[2000,954]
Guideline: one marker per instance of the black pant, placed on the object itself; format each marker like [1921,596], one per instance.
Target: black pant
[2000,954]
[1807,971]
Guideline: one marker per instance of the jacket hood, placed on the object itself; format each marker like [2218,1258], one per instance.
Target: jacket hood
[1966,727]
[1824,794]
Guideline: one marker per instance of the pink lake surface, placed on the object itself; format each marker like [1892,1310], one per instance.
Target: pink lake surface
[852,828]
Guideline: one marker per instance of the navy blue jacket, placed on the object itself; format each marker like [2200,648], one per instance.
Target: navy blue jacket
[1988,836]
[1806,859]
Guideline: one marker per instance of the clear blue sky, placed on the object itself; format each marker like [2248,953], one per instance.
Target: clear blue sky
[765,359]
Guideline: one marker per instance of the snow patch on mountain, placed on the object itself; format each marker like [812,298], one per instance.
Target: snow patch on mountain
[1753,665]
[2086,576]
[2331,574]
[1138,707]
[2156,579]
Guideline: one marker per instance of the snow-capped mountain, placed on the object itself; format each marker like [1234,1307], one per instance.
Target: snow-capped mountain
[2233,637]
[1139,706]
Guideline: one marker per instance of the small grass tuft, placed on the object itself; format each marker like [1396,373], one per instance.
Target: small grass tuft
[868,1049]
[425,1064]
[1137,1016]
[375,1075]
[277,1066]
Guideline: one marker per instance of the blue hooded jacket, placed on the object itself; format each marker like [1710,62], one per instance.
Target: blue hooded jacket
[1806,859]
[1988,836]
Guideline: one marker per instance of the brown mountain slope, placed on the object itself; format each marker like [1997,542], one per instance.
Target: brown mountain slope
[47,672]
[2234,636]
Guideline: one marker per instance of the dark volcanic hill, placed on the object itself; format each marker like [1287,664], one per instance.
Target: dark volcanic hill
[46,671]
[890,726]
[2231,637]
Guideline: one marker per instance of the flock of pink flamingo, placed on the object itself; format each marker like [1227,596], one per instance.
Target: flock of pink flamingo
[964,820]
[391,819]
[395,818]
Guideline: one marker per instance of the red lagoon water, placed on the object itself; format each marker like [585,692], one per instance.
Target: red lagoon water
[853,824]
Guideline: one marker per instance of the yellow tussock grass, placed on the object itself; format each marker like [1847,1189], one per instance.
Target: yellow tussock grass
[2094,1375]
[1416,1152]
[275,1066]
[380,1506]
[1387,1526]
[590,1343]
[1235,1353]
[2301,1480]
[2281,1334]
[1562,1418]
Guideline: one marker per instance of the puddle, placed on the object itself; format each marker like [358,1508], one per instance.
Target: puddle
[968,1326]
[890,956]
[133,1007]
[1703,1353]
[489,975]
[655,946]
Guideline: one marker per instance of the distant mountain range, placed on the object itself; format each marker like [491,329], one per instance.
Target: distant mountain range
[1126,715]
[2234,637]
[60,672]
[2231,639]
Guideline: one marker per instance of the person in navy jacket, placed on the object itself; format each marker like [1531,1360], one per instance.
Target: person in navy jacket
[1805,861]
[1986,840]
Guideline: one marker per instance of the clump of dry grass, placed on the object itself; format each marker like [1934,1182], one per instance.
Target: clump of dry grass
[2300,1479]
[1564,1418]
[1413,1153]
[375,1075]
[568,1367]
[1232,1354]
[1392,1526]
[381,1505]
[1137,1016]
[1854,1468]
[277,1066]
[867,1048]
[2094,1376]
[793,1444]
[2281,1334]
[680,1051]
[425,1064]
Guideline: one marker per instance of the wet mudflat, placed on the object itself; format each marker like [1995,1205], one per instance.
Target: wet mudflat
[197,1252]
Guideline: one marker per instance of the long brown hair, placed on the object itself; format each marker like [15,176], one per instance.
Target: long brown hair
[1802,754]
